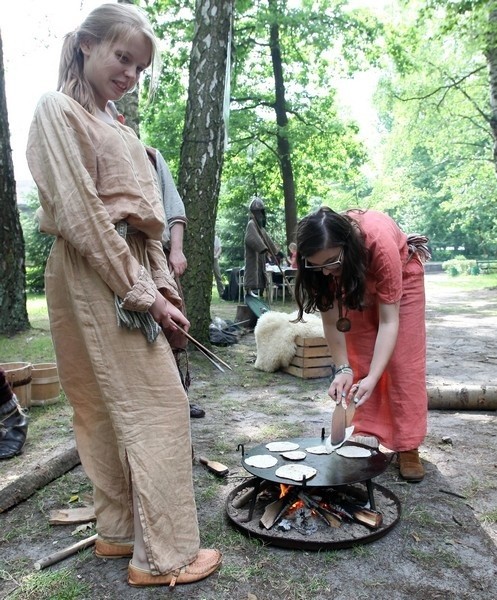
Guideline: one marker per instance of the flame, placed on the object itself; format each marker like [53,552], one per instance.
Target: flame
[284,489]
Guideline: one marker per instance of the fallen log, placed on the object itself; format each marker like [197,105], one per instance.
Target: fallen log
[456,397]
[41,475]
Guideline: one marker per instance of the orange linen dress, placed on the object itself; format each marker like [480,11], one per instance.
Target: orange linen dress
[397,410]
[131,413]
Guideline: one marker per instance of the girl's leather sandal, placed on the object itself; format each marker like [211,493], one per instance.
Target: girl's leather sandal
[207,562]
[105,549]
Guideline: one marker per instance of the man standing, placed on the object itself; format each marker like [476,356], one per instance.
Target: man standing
[257,245]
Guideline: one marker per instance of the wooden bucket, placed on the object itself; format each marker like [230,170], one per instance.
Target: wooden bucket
[45,384]
[18,374]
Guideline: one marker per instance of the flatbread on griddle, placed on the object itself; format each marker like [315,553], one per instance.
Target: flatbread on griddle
[294,455]
[353,452]
[281,446]
[296,472]
[317,450]
[261,461]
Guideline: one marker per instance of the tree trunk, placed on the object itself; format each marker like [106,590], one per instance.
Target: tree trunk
[491,56]
[284,152]
[13,313]
[202,153]
[128,104]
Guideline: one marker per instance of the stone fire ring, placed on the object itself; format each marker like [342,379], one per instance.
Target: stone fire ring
[347,536]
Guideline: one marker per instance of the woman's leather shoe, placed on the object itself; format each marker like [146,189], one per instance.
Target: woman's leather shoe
[207,562]
[13,428]
[105,549]
[410,466]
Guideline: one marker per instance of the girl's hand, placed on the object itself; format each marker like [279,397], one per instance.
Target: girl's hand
[340,387]
[167,315]
[362,390]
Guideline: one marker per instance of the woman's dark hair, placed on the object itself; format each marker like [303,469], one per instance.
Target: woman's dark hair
[314,290]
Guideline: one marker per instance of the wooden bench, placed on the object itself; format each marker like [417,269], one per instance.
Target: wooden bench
[487,266]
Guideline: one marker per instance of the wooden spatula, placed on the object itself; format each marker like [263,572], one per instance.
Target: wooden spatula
[349,413]
[214,467]
[338,425]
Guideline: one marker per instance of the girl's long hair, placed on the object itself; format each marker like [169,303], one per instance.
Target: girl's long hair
[314,290]
[106,24]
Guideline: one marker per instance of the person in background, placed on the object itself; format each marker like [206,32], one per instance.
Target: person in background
[172,241]
[292,257]
[257,245]
[110,294]
[216,268]
[13,421]
[366,277]
[279,259]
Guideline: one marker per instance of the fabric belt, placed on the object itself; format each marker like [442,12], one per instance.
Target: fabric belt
[133,319]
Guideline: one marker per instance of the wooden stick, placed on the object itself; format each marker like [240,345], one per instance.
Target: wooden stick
[205,350]
[64,553]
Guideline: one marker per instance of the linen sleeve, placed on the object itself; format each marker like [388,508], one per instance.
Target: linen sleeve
[253,240]
[387,267]
[160,273]
[174,207]
[62,160]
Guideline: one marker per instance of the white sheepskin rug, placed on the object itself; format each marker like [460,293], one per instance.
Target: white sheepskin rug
[275,338]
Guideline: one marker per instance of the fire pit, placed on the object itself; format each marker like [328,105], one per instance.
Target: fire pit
[338,507]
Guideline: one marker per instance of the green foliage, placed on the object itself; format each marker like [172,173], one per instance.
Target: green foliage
[460,265]
[439,174]
[37,247]
[325,151]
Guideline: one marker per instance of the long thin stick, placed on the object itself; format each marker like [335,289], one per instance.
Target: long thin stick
[209,358]
[64,553]
[205,350]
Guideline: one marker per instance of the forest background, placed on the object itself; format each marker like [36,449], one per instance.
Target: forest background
[278,132]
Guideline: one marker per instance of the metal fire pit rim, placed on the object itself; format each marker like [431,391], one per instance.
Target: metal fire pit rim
[317,546]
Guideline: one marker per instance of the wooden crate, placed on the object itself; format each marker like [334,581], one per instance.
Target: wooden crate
[312,359]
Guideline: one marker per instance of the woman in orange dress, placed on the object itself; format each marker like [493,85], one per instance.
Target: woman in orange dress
[366,277]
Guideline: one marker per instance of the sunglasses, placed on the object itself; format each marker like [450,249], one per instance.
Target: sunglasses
[331,266]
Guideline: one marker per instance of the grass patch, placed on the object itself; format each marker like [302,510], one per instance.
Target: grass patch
[282,430]
[489,518]
[50,423]
[61,584]
[464,282]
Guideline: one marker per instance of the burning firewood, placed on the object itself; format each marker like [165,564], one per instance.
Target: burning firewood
[277,509]
[365,516]
[329,517]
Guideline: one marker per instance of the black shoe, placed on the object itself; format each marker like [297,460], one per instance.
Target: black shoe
[196,412]
[13,429]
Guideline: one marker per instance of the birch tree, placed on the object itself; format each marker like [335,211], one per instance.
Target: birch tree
[202,152]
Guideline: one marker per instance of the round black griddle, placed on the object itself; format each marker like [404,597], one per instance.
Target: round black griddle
[332,469]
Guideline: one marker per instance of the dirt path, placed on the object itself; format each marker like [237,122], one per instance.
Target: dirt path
[444,546]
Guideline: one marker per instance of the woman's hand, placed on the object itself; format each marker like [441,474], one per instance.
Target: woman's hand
[362,390]
[340,387]
[167,315]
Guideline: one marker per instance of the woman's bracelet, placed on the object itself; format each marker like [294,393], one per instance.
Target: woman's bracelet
[346,369]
